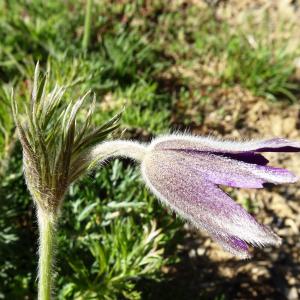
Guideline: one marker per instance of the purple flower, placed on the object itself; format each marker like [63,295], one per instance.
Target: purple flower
[184,173]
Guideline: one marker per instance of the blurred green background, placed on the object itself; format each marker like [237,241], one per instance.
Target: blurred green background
[199,66]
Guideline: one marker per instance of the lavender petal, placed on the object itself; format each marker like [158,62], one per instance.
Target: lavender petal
[208,144]
[275,145]
[233,245]
[220,169]
[201,202]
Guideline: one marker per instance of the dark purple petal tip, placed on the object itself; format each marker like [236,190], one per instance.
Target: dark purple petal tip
[277,145]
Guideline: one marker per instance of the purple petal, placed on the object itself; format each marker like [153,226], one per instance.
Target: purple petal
[248,157]
[198,200]
[276,145]
[213,145]
[226,171]
[233,245]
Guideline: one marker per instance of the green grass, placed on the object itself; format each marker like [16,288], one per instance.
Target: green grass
[17,234]
[210,48]
[159,62]
[114,240]
[7,136]
[261,68]
[113,234]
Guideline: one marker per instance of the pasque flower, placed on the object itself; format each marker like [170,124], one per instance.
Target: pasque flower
[185,172]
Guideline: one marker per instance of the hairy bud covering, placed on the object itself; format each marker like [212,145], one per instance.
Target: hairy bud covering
[55,144]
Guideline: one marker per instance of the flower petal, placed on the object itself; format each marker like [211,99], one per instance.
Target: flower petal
[222,170]
[209,144]
[233,245]
[247,157]
[201,202]
[274,145]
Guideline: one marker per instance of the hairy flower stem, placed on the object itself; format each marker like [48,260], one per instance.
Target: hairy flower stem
[47,224]
[131,149]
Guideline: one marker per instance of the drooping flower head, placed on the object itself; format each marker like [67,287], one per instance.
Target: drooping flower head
[185,172]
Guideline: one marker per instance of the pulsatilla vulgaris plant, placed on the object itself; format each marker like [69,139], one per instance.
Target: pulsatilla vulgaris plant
[182,171]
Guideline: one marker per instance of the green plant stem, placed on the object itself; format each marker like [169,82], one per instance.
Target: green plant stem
[47,223]
[87,25]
